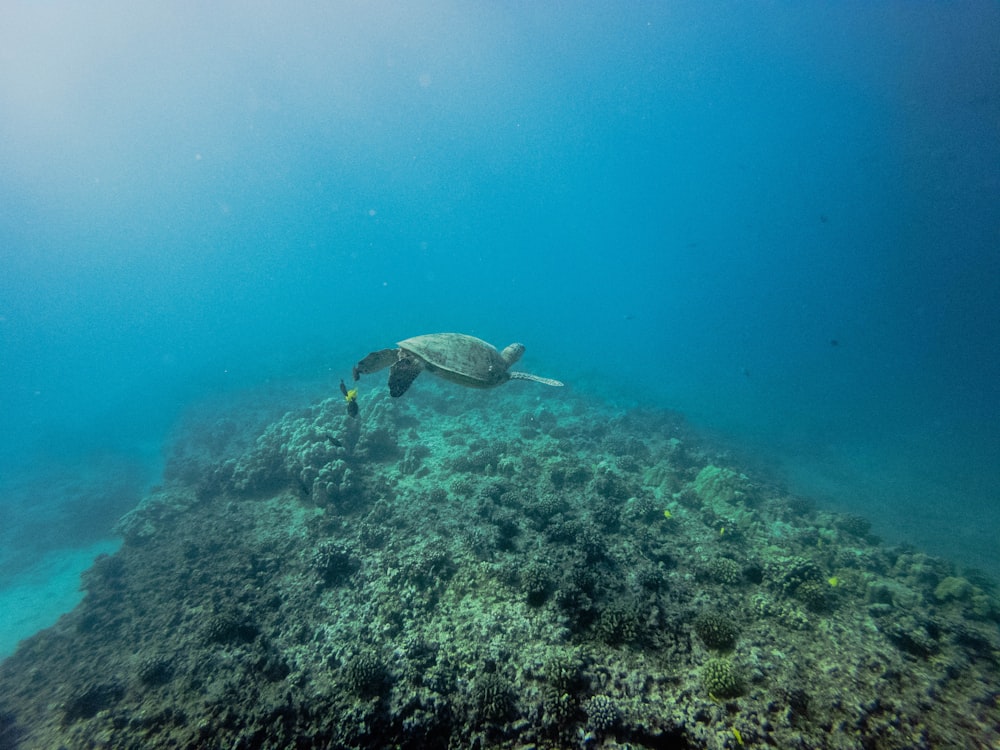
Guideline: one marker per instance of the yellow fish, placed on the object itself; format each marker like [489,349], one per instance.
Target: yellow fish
[351,397]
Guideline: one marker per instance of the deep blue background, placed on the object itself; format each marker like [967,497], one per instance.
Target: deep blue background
[677,204]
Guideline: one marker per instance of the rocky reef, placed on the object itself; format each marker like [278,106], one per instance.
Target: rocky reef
[500,570]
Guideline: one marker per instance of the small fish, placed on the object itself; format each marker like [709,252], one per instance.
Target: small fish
[351,397]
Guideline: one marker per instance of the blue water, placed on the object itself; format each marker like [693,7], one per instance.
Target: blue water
[781,219]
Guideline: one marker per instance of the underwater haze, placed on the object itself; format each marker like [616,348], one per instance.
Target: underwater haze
[781,220]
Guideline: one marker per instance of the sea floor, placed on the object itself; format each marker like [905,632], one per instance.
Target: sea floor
[507,568]
[911,494]
[35,598]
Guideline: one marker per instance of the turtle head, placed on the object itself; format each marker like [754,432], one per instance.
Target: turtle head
[512,353]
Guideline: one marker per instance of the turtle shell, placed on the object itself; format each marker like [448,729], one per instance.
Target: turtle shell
[460,358]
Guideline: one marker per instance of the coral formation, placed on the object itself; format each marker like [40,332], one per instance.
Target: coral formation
[722,678]
[333,562]
[602,714]
[716,630]
[724,570]
[492,697]
[155,669]
[537,582]
[365,673]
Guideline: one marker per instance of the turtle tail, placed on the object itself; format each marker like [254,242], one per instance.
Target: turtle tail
[536,378]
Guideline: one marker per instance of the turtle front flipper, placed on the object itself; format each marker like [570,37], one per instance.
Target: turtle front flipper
[403,373]
[535,378]
[375,361]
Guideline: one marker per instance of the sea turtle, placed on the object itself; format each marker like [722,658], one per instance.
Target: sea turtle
[457,357]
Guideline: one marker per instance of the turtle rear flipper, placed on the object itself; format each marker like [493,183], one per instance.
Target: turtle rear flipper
[375,362]
[403,373]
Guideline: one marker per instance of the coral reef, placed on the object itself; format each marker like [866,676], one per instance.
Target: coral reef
[475,569]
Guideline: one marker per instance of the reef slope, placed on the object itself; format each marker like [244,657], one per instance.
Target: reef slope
[466,569]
